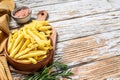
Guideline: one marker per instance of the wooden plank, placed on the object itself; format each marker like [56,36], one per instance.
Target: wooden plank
[70,9]
[102,16]
[114,77]
[74,9]
[34,3]
[100,70]
[83,26]
[89,25]
[90,48]
[114,3]
[17,76]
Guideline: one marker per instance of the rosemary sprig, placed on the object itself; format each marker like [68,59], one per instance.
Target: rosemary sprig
[60,70]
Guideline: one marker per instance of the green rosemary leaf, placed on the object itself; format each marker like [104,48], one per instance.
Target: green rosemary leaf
[61,66]
[66,73]
[60,70]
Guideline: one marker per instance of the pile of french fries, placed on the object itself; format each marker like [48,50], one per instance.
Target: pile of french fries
[30,43]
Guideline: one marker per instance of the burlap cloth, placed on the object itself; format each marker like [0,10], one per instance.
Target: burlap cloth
[6,6]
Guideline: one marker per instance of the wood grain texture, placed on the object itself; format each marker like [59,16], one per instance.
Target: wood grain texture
[70,9]
[114,77]
[84,22]
[88,31]
[100,70]
[88,25]
[36,3]
[90,48]
[75,9]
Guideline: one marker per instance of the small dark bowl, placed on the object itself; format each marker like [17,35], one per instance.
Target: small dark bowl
[33,67]
[24,19]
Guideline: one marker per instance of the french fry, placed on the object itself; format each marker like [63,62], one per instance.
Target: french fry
[32,54]
[25,51]
[14,31]
[41,57]
[45,28]
[25,33]
[36,57]
[37,39]
[30,43]
[33,60]
[19,38]
[12,42]
[43,23]
[17,48]
[24,61]
[31,38]
[48,32]
[47,42]
[24,45]
[33,28]
[22,53]
[46,48]
[41,36]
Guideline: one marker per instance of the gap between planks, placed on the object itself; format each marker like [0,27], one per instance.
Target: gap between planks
[75,8]
[86,25]
[98,70]
[90,48]
[75,17]
[42,3]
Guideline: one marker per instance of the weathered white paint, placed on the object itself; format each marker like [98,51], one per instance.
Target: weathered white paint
[88,25]
[83,26]
[107,69]
[74,9]
[75,19]
[36,3]
[108,46]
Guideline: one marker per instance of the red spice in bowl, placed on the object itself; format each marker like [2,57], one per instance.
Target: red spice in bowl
[22,13]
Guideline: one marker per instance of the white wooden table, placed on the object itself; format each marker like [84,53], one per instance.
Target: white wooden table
[88,35]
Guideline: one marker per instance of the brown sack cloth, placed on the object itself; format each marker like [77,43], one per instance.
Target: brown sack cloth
[9,3]
[5,7]
[4,23]
[4,69]
[2,38]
